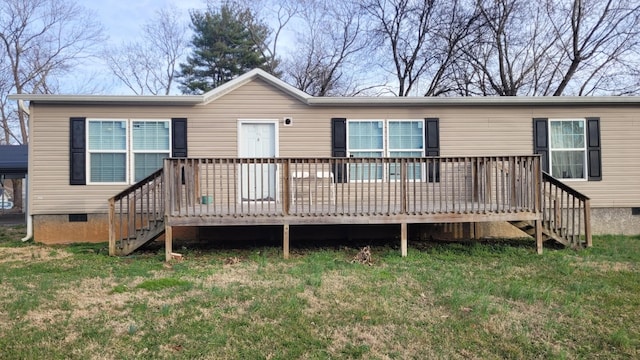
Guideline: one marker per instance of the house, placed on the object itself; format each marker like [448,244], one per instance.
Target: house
[257,151]
[13,166]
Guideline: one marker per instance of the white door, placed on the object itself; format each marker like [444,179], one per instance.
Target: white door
[258,140]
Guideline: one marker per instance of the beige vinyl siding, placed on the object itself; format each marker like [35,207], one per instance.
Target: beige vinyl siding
[212,132]
[620,185]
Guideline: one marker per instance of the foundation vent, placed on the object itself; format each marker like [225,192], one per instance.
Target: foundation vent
[77,217]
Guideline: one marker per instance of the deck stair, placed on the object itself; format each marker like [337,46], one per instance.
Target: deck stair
[141,237]
[136,215]
[548,233]
[566,215]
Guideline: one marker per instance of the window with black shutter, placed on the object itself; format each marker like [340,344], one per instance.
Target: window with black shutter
[569,148]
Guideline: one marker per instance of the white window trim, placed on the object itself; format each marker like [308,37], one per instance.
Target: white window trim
[89,152]
[128,151]
[386,151]
[388,148]
[421,149]
[384,142]
[132,152]
[381,151]
[583,149]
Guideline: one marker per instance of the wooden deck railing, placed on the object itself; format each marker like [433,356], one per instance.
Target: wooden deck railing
[137,209]
[214,191]
[233,187]
[566,212]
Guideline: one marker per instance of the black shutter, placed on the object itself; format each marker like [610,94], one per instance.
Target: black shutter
[339,147]
[594,159]
[78,152]
[432,137]
[541,141]
[432,146]
[179,137]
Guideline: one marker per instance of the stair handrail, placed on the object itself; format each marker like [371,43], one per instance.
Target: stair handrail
[137,185]
[139,212]
[561,218]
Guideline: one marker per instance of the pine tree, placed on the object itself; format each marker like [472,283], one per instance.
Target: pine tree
[223,48]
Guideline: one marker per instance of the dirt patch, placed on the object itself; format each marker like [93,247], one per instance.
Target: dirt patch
[31,253]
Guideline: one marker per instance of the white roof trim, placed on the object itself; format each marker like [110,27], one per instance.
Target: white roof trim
[474,101]
[245,78]
[110,99]
[186,100]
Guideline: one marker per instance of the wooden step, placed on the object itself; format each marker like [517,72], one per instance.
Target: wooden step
[143,236]
[547,232]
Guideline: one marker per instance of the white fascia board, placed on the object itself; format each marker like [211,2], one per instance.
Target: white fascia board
[475,101]
[247,77]
[110,99]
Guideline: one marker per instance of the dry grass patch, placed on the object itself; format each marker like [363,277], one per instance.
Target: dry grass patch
[31,253]
[607,266]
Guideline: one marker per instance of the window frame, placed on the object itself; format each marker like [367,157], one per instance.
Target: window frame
[128,151]
[421,149]
[584,149]
[370,150]
[89,151]
[386,150]
[133,152]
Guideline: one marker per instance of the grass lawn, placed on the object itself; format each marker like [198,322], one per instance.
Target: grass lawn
[444,301]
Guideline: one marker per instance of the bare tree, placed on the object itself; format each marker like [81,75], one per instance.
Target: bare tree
[404,26]
[599,40]
[551,48]
[454,22]
[330,54]
[422,40]
[506,57]
[277,15]
[41,40]
[148,66]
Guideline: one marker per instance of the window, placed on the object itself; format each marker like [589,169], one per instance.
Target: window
[567,148]
[108,151]
[378,138]
[406,139]
[365,139]
[150,147]
[126,151]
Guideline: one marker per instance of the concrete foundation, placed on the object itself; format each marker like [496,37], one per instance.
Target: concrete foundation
[618,221]
[58,229]
[65,229]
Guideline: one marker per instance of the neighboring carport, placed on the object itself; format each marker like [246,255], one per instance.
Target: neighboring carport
[14,163]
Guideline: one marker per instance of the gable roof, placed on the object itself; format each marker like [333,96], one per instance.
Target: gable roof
[251,75]
[14,159]
[167,99]
[206,98]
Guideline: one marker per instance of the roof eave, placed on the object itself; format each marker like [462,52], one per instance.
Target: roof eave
[162,100]
[475,101]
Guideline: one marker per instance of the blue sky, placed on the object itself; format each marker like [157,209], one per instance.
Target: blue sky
[122,21]
[123,18]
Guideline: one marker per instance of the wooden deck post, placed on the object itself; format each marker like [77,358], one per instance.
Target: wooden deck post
[403,239]
[538,224]
[285,240]
[587,222]
[112,227]
[168,241]
[286,188]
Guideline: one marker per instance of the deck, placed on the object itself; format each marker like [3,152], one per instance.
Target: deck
[299,191]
